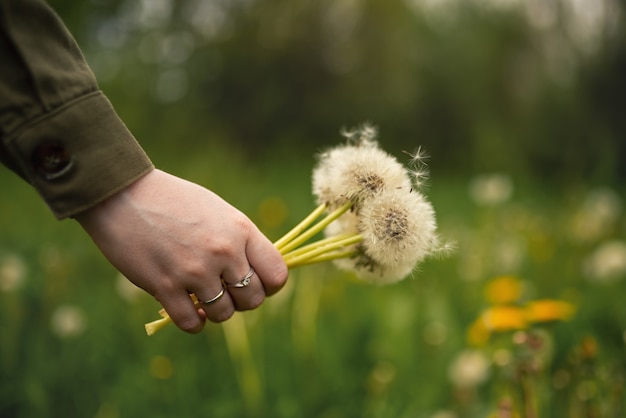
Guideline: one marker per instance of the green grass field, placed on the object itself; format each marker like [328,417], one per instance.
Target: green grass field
[72,342]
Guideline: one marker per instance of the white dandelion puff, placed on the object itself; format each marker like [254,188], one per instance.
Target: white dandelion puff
[356,172]
[397,231]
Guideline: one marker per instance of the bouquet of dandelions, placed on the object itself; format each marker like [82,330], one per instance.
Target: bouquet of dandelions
[376,222]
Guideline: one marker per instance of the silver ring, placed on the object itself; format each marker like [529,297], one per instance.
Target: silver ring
[213,299]
[243,282]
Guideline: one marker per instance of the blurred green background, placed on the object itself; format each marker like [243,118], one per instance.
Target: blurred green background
[520,106]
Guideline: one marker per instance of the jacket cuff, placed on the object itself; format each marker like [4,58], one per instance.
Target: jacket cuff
[78,155]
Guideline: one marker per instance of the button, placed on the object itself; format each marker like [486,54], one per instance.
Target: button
[52,160]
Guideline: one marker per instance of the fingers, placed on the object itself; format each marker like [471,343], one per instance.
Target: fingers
[182,310]
[244,282]
[246,289]
[216,302]
[268,264]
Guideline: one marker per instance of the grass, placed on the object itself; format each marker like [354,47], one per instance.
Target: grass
[327,345]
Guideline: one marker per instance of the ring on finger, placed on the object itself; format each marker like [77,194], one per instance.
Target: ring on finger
[214,298]
[243,282]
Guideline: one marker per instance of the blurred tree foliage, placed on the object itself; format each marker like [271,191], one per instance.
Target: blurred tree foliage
[534,88]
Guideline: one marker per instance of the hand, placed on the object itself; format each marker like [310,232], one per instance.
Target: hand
[172,237]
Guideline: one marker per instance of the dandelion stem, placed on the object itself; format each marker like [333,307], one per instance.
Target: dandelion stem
[314,252]
[316,244]
[298,229]
[329,256]
[309,233]
[154,326]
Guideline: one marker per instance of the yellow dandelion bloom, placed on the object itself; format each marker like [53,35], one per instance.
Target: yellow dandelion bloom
[547,310]
[477,333]
[503,290]
[504,318]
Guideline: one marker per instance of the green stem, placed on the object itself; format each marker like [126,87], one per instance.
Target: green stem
[528,397]
[333,255]
[316,244]
[353,239]
[318,227]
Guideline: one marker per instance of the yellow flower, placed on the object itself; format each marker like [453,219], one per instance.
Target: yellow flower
[547,310]
[504,318]
[503,290]
[477,333]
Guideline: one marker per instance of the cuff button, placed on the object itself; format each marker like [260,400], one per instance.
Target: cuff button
[52,160]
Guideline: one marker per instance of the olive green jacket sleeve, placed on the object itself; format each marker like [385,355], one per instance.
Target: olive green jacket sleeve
[57,130]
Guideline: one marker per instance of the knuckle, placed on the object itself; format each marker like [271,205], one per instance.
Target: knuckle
[194,268]
[190,325]
[222,316]
[252,302]
[223,249]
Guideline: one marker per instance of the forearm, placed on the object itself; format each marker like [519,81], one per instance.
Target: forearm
[57,130]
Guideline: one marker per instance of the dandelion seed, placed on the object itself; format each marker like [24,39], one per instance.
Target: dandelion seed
[365,134]
[417,157]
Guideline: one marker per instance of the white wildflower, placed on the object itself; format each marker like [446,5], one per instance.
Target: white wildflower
[68,321]
[469,369]
[13,272]
[598,214]
[491,189]
[607,262]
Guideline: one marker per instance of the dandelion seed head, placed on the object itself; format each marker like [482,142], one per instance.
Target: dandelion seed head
[398,228]
[354,173]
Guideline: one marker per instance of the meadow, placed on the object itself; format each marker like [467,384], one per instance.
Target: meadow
[328,345]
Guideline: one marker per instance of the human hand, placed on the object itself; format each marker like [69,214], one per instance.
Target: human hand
[172,237]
